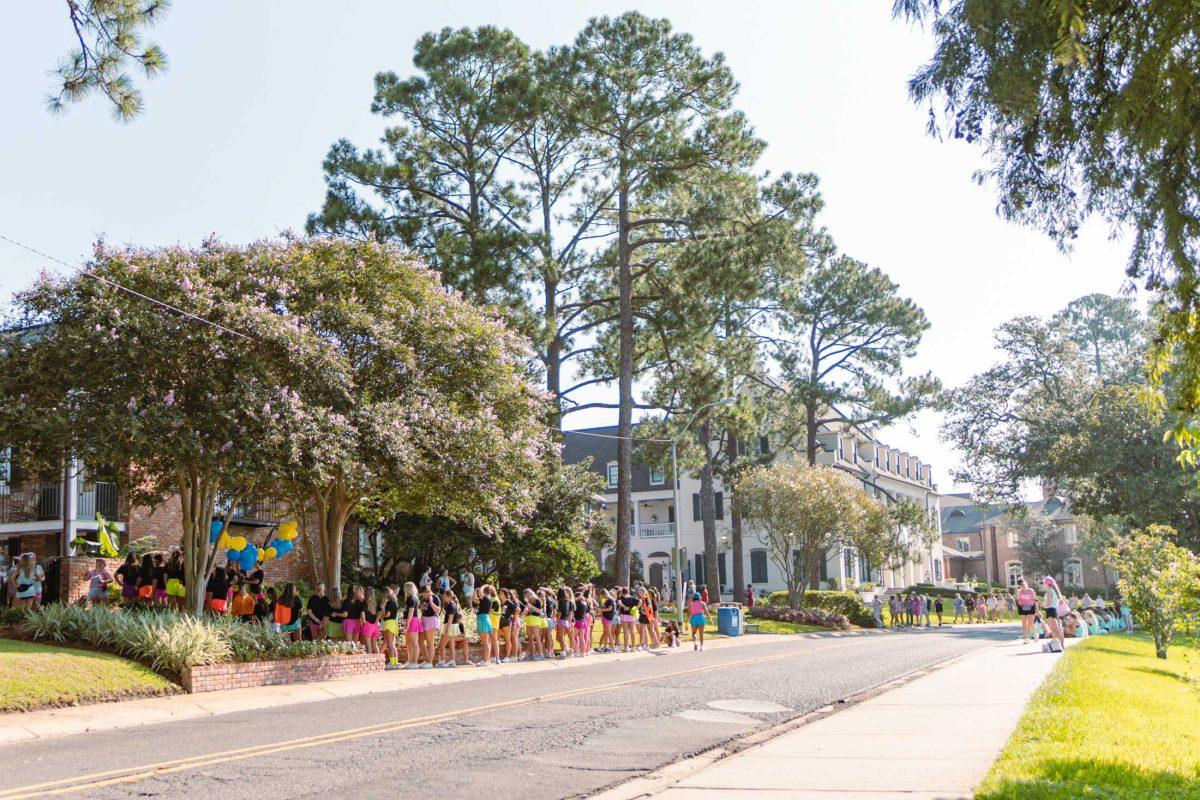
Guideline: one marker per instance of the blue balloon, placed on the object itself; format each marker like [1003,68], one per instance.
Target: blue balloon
[233,555]
[282,547]
[214,530]
[249,557]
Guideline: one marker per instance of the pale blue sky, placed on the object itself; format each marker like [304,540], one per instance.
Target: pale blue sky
[234,133]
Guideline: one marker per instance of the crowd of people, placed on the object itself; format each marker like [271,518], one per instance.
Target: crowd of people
[426,620]
[23,581]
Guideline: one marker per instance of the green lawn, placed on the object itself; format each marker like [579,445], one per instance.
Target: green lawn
[40,676]
[776,627]
[1111,721]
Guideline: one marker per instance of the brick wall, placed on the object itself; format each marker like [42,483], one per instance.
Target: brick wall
[45,545]
[166,524]
[216,677]
[73,583]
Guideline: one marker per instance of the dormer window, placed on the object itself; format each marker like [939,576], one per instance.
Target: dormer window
[612,473]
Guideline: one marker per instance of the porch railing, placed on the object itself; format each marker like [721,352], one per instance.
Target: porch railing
[97,498]
[30,502]
[653,530]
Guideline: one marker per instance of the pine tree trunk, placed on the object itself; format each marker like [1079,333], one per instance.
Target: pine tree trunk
[624,379]
[708,517]
[735,521]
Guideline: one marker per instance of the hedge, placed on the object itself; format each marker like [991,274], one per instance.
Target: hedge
[802,616]
[848,604]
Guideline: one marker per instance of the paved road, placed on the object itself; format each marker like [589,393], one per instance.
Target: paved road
[545,735]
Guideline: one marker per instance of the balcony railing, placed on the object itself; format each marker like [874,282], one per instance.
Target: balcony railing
[30,502]
[97,498]
[653,530]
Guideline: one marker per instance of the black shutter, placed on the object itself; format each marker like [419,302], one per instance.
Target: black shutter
[699,576]
[764,446]
[721,569]
[758,566]
[695,506]
[720,502]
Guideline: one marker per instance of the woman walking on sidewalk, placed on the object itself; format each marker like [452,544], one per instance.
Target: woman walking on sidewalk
[958,608]
[1026,607]
[699,617]
[1051,602]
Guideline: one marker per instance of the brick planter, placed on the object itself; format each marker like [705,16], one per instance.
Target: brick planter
[215,677]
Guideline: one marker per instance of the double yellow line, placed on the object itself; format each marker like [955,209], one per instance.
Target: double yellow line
[98,780]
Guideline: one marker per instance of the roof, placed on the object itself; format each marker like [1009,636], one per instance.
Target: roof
[953,552]
[600,444]
[957,519]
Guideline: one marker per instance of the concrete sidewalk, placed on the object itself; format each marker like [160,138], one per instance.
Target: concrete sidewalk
[932,738]
[55,722]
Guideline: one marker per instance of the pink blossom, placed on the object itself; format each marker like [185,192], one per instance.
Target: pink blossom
[169,399]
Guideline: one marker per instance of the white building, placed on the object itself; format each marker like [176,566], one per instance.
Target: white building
[885,473]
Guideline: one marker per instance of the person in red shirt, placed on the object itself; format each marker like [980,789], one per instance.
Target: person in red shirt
[749,595]
[704,594]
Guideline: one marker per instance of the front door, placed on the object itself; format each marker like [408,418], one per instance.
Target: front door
[656,574]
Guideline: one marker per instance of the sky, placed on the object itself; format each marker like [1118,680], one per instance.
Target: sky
[233,135]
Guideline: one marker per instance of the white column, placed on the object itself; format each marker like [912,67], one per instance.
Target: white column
[70,503]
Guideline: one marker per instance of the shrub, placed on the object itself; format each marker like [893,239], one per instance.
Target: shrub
[11,616]
[847,604]
[168,641]
[802,616]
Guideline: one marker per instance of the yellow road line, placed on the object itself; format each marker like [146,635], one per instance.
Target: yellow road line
[134,774]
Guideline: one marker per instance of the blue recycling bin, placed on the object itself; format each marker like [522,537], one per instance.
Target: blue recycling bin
[729,620]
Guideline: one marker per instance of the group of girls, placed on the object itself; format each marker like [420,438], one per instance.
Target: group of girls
[555,622]
[156,581]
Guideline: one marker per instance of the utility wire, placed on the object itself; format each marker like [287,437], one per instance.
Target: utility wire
[129,291]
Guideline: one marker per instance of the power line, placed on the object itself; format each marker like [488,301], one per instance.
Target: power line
[127,290]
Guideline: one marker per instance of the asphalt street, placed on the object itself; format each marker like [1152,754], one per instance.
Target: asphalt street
[552,734]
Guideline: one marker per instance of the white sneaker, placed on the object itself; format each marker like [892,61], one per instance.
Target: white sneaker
[452,664]
[411,666]
[701,648]
[427,665]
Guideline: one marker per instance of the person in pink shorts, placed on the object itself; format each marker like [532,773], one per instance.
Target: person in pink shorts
[369,632]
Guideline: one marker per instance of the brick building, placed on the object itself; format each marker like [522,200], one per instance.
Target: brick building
[981,542]
[43,517]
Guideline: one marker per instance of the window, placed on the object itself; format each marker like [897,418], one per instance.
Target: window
[1070,534]
[854,450]
[841,448]
[758,566]
[877,456]
[368,550]
[719,501]
[1073,572]
[612,473]
[848,560]
[918,472]
[764,445]
[824,565]
[962,545]
[937,569]
[1014,572]
[1013,539]
[657,477]
[889,461]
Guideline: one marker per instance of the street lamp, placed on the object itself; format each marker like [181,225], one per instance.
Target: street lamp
[728,401]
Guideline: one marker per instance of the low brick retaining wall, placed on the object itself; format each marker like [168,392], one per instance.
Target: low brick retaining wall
[239,675]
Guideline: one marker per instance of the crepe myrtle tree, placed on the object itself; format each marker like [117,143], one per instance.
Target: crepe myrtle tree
[174,408]
[801,512]
[424,406]
[1159,580]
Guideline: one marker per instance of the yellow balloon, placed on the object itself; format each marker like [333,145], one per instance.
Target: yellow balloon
[270,553]
[238,543]
[287,531]
[225,542]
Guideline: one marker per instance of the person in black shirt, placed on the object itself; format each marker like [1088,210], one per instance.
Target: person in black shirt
[176,594]
[335,615]
[145,580]
[217,591]
[508,624]
[317,612]
[389,622]
[453,631]
[535,623]
[628,607]
[160,579]
[127,575]
[370,617]
[608,618]
[352,626]
[564,622]
[486,604]
[410,623]
[255,579]
[431,623]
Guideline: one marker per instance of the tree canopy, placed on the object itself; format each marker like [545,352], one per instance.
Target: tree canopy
[110,41]
[1086,109]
